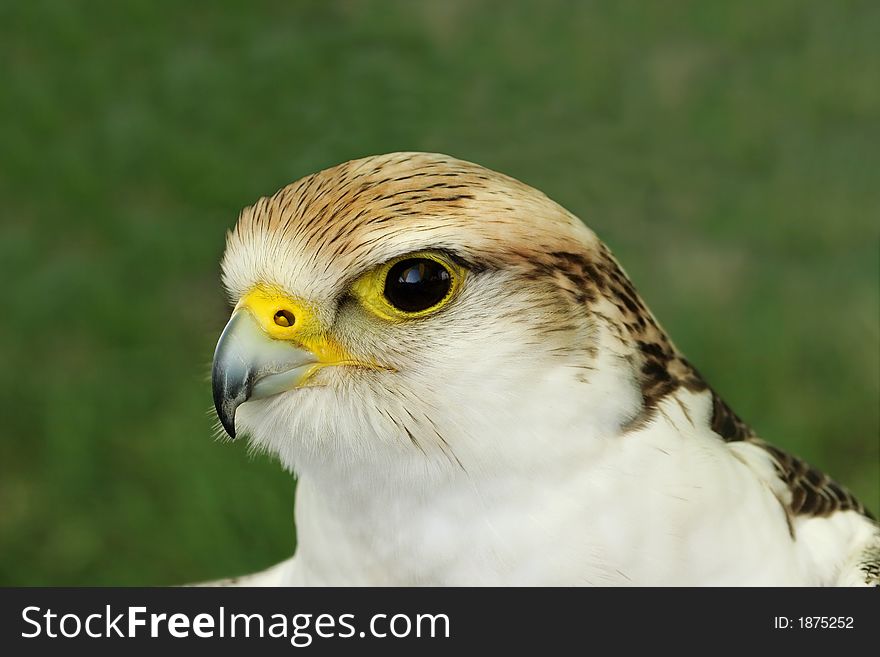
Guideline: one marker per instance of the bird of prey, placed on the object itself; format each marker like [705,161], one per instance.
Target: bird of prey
[471,392]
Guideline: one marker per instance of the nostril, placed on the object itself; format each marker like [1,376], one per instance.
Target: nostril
[284,318]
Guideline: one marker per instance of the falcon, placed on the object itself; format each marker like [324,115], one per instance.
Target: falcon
[470,391]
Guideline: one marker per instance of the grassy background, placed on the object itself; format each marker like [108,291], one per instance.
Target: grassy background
[727,152]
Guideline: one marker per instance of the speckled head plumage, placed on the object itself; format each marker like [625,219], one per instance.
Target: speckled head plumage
[353,216]
[314,238]
[433,345]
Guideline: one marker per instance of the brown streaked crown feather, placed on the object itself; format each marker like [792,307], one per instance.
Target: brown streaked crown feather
[345,212]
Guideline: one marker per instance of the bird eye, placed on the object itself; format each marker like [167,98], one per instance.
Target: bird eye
[410,286]
[417,284]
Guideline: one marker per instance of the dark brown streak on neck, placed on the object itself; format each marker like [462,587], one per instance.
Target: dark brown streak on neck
[662,369]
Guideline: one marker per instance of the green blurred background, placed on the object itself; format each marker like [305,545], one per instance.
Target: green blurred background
[728,153]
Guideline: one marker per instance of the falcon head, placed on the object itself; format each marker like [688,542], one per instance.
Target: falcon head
[425,314]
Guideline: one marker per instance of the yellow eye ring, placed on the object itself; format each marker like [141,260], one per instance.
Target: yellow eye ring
[410,286]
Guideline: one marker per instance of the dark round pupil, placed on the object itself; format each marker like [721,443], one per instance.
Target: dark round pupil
[416,284]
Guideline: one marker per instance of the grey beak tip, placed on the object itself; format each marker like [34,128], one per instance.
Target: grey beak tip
[230,392]
[228,422]
[224,406]
[231,383]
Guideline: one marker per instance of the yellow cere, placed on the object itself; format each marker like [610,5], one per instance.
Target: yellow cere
[369,289]
[284,318]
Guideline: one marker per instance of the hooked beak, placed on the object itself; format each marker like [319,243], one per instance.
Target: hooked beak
[250,365]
